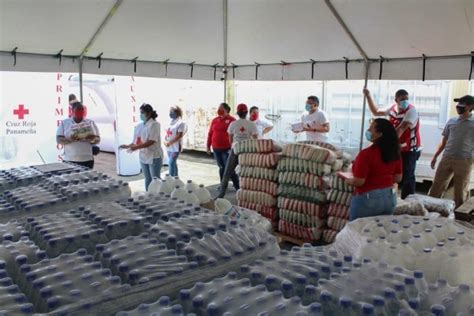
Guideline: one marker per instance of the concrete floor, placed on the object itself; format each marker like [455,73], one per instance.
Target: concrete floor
[192,165]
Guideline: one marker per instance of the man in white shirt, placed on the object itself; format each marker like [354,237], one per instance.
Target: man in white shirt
[315,123]
[263,126]
[238,131]
[77,134]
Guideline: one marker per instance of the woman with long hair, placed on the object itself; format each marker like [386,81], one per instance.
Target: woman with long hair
[174,139]
[374,172]
[147,140]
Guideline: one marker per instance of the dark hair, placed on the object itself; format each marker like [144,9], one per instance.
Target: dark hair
[72,97]
[253,108]
[242,115]
[401,93]
[148,110]
[76,105]
[314,98]
[177,110]
[226,107]
[389,143]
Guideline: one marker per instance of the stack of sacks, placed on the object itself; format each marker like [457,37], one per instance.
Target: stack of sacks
[340,200]
[304,180]
[258,159]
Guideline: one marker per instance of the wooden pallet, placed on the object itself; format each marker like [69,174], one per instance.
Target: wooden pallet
[285,238]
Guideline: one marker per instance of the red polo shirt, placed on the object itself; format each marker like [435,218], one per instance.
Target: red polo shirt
[369,165]
[218,138]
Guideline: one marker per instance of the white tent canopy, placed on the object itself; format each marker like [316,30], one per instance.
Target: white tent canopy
[258,31]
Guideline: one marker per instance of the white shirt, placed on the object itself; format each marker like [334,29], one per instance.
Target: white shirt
[261,126]
[151,130]
[242,129]
[177,126]
[315,120]
[77,150]
[411,116]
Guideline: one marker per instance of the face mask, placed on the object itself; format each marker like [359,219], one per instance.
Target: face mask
[404,104]
[143,117]
[254,117]
[368,135]
[308,107]
[79,114]
[173,115]
[220,112]
[461,110]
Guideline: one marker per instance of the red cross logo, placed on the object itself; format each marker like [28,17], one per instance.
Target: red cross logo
[169,132]
[242,129]
[21,112]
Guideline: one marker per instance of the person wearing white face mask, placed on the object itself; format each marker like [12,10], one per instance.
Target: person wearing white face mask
[374,172]
[406,121]
[147,140]
[315,123]
[458,147]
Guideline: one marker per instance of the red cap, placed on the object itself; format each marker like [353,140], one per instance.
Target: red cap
[242,107]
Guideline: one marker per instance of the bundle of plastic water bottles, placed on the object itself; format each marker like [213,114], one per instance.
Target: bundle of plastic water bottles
[312,281]
[34,192]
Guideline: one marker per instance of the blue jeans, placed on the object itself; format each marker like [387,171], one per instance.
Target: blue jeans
[409,165]
[221,156]
[373,203]
[151,170]
[229,173]
[173,163]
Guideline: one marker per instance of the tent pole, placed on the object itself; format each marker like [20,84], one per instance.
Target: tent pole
[80,80]
[100,28]
[364,56]
[225,8]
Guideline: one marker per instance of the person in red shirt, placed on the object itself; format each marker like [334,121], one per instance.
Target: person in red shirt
[218,139]
[374,172]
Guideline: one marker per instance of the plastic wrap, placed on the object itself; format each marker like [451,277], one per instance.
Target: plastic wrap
[410,207]
[259,185]
[441,206]
[304,166]
[259,160]
[270,213]
[259,173]
[64,232]
[302,207]
[260,198]
[257,146]
[13,231]
[305,180]
[302,193]
[438,246]
[309,152]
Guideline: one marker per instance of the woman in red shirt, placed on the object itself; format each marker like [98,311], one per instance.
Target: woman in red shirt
[374,172]
[218,139]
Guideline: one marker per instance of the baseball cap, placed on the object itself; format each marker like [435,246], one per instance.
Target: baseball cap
[242,107]
[465,100]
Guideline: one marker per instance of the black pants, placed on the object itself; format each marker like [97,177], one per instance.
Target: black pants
[89,164]
[229,173]
[409,165]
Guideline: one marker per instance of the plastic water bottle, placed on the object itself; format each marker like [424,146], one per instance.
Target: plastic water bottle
[394,237]
[327,303]
[154,187]
[345,306]
[178,193]
[203,194]
[391,301]
[447,271]
[191,186]
[178,183]
[191,198]
[438,310]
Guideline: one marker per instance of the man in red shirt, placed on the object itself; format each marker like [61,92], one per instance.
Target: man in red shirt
[404,117]
[218,139]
